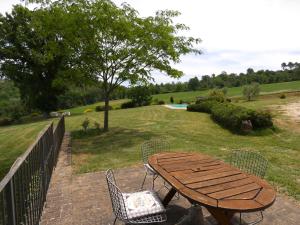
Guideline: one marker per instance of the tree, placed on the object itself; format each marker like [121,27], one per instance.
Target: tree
[140,95]
[283,66]
[194,84]
[250,71]
[37,55]
[120,46]
[251,91]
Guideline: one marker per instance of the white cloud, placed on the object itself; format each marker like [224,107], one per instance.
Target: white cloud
[236,34]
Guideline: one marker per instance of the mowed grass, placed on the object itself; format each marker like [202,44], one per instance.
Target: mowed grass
[186,131]
[14,140]
[235,91]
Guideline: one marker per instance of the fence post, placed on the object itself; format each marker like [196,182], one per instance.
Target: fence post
[10,201]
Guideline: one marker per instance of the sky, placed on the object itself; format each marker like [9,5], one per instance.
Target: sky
[235,34]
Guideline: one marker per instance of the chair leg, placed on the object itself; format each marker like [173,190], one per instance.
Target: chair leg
[115,221]
[153,181]
[240,218]
[177,196]
[144,181]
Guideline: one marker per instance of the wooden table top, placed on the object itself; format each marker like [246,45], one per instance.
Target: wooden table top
[213,183]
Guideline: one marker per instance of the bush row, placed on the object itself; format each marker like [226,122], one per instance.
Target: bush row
[100,108]
[233,117]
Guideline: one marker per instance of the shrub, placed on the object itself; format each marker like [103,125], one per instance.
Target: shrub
[218,95]
[100,108]
[172,99]
[140,95]
[261,119]
[251,91]
[5,121]
[34,114]
[282,96]
[180,101]
[85,124]
[204,106]
[161,102]
[229,115]
[127,105]
[14,112]
[233,117]
[202,99]
[88,110]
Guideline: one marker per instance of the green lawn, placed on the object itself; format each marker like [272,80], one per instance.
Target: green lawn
[236,91]
[186,131]
[14,140]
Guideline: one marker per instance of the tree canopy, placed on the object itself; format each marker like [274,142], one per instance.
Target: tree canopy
[118,45]
[45,49]
[37,54]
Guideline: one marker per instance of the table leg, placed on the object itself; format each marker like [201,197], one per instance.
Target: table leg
[222,216]
[169,196]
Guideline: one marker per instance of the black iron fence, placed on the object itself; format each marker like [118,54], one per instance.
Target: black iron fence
[23,190]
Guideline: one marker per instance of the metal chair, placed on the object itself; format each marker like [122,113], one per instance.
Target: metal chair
[130,207]
[253,163]
[149,148]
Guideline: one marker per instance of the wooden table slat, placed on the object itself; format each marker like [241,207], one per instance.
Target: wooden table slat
[240,205]
[183,164]
[225,186]
[210,177]
[217,181]
[235,191]
[245,196]
[193,173]
[183,160]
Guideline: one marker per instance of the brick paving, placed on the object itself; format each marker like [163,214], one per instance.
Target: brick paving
[84,199]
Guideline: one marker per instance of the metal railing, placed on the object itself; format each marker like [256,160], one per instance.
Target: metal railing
[23,190]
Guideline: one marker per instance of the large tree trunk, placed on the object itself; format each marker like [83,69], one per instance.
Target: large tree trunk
[106,113]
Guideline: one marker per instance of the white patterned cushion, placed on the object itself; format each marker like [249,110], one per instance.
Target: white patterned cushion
[142,203]
[149,169]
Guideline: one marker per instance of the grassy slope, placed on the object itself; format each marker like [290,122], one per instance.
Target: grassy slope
[14,140]
[186,131]
[236,91]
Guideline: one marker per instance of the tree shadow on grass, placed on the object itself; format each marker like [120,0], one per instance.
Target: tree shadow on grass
[96,141]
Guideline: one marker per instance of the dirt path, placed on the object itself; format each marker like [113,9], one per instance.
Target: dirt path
[292,110]
[291,113]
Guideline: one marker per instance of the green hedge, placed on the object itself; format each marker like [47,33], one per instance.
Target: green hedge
[229,115]
[232,116]
[127,105]
[261,119]
[203,106]
[100,108]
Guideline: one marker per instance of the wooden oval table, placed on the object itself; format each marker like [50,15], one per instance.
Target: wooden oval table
[221,188]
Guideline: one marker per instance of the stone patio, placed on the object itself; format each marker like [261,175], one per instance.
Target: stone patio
[84,199]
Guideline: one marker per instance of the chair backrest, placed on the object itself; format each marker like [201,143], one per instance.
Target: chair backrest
[116,196]
[152,147]
[249,162]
